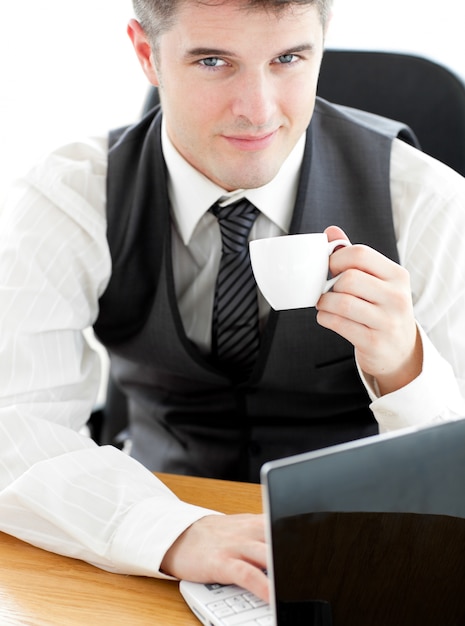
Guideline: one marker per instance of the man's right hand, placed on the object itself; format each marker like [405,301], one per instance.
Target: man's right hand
[225,549]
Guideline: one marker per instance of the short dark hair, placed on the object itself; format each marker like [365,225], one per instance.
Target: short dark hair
[157,16]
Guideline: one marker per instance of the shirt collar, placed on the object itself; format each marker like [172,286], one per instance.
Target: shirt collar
[191,193]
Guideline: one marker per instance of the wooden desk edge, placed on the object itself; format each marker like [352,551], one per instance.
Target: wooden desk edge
[221,495]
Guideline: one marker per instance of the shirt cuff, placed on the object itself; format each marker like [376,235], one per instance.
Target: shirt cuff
[144,536]
[434,396]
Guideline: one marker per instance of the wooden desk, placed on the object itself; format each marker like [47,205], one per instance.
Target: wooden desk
[38,588]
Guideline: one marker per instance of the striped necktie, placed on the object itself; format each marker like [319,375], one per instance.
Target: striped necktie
[235,335]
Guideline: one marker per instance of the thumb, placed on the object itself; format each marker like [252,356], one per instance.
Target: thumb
[334,232]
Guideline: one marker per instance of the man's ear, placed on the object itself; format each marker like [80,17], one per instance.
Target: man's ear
[143,50]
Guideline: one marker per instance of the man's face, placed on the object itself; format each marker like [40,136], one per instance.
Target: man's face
[238,87]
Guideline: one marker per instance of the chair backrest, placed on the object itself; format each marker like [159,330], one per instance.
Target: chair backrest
[425,95]
[151,100]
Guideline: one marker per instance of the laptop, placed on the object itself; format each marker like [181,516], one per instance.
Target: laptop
[370,532]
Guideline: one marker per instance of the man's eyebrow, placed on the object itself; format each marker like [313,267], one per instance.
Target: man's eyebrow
[219,52]
[304,47]
[208,52]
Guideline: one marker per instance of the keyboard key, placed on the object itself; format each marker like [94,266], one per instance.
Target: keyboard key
[254,600]
[252,619]
[239,604]
[227,610]
[215,606]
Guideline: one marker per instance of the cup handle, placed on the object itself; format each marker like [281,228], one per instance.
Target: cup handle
[332,245]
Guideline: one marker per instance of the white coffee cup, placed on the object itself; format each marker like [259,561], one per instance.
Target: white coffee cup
[292,270]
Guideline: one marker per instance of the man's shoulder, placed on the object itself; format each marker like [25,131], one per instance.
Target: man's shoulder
[72,173]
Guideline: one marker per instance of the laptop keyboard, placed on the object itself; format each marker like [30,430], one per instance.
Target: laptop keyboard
[244,609]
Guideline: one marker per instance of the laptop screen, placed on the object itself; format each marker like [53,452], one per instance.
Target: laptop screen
[370,532]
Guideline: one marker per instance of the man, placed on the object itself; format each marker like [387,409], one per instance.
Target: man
[125,239]
[237,102]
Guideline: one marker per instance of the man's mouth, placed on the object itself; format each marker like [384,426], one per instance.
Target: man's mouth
[250,143]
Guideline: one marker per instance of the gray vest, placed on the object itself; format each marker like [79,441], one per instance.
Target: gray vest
[304,392]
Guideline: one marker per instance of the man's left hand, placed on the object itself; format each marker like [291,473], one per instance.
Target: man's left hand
[371,306]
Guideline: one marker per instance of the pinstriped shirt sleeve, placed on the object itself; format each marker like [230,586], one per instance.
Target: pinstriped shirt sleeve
[428,203]
[58,490]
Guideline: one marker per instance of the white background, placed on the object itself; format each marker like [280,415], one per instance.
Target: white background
[67,67]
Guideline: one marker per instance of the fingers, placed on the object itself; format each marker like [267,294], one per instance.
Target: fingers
[371,306]
[227,549]
[246,574]
[368,300]
[334,232]
[367,260]
[372,291]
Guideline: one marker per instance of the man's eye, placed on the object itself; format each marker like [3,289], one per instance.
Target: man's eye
[212,62]
[287,58]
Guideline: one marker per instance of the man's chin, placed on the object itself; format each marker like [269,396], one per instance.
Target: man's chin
[247,179]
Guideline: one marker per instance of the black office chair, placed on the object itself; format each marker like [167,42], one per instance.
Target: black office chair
[425,95]
[108,424]
[422,93]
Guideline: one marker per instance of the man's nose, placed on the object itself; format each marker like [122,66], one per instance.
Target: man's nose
[254,98]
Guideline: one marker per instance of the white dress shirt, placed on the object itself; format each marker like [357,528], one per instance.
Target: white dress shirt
[196,237]
[60,491]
